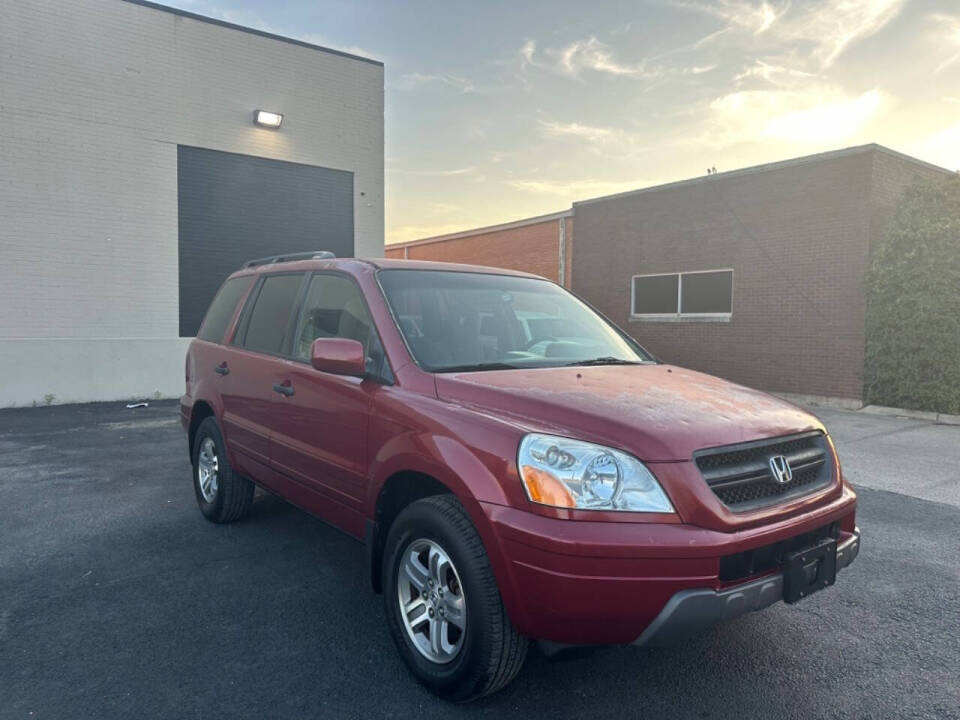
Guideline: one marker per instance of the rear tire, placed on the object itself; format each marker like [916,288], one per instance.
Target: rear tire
[223,496]
[488,652]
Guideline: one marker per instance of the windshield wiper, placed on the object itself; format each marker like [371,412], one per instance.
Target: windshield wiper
[607,360]
[475,367]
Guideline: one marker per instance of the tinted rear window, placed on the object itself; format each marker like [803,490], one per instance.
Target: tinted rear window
[222,308]
[270,317]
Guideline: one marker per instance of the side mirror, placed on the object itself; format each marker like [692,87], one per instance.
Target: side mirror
[338,356]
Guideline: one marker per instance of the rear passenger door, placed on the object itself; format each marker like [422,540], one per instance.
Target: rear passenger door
[321,433]
[252,365]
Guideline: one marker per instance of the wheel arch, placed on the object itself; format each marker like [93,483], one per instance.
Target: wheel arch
[397,492]
[200,412]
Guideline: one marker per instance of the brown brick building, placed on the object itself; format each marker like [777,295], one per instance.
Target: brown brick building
[756,275]
[539,245]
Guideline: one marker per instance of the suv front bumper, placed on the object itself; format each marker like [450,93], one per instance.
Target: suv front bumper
[690,611]
[572,582]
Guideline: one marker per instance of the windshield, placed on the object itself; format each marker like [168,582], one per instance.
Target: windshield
[474,321]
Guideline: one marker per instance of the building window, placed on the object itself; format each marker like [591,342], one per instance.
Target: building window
[700,295]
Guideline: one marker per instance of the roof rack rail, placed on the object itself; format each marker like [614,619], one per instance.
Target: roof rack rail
[290,257]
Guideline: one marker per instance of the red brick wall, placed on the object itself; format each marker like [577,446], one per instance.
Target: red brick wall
[532,248]
[797,235]
[797,238]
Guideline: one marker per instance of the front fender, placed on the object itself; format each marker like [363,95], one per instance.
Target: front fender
[467,474]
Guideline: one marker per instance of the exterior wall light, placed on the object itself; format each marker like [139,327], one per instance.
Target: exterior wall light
[266,119]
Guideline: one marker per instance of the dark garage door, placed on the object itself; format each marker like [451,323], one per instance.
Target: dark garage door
[236,207]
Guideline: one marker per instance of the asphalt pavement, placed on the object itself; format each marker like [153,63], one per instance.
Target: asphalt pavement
[118,600]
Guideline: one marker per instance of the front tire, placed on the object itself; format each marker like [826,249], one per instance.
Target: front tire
[223,496]
[443,606]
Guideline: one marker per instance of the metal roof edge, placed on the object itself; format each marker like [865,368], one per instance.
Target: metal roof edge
[483,230]
[766,167]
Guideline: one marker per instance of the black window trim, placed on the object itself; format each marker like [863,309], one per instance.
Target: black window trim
[240,336]
[383,375]
[240,327]
[679,316]
[228,332]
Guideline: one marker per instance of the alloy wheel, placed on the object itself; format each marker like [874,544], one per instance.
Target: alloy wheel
[432,604]
[208,467]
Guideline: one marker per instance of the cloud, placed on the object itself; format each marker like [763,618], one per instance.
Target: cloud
[434,173]
[527,51]
[576,189]
[949,28]
[753,17]
[940,148]
[414,80]
[771,73]
[831,121]
[815,114]
[592,56]
[406,233]
[442,208]
[580,56]
[587,132]
[824,29]
[611,142]
[839,23]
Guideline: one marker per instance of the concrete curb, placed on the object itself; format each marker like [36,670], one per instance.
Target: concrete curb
[852,405]
[939,418]
[837,403]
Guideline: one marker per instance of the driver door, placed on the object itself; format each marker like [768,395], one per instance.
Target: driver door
[320,438]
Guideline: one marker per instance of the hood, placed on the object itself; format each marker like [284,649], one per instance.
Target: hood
[659,413]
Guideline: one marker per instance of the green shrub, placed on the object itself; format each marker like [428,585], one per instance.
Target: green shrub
[913,303]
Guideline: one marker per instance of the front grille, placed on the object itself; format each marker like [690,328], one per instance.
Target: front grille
[740,475]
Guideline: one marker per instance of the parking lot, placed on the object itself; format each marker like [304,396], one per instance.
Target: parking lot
[118,600]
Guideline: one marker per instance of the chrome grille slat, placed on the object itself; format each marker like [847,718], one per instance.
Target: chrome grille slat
[740,474]
[760,474]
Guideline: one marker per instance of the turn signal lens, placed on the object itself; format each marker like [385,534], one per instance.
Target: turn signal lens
[544,488]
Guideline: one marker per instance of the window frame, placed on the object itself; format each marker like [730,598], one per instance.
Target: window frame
[679,316]
[240,335]
[384,373]
[226,337]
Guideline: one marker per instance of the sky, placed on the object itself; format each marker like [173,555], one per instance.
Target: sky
[497,111]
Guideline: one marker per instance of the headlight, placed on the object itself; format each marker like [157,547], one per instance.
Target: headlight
[561,472]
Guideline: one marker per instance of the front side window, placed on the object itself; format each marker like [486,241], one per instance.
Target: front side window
[670,296]
[475,321]
[271,315]
[334,308]
[222,308]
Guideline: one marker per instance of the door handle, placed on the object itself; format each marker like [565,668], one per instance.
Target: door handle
[222,369]
[284,388]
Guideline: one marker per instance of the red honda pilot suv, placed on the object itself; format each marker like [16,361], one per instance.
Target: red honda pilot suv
[518,467]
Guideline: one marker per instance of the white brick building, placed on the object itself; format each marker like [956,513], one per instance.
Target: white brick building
[133,179]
